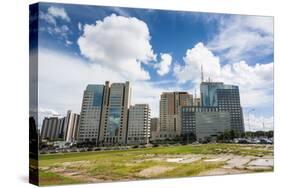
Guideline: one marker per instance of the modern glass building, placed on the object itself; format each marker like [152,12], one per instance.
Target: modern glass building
[226,98]
[229,100]
[116,101]
[104,114]
[198,122]
[91,113]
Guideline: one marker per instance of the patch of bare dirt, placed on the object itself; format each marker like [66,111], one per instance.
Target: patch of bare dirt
[76,174]
[222,171]
[155,170]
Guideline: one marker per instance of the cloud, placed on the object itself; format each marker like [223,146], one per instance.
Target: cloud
[60,31]
[118,43]
[53,27]
[164,65]
[79,26]
[67,42]
[255,82]
[121,11]
[47,18]
[194,59]
[239,37]
[63,78]
[58,13]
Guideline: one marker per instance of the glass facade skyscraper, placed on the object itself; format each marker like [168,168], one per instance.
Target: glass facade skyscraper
[116,102]
[91,113]
[226,98]
[104,113]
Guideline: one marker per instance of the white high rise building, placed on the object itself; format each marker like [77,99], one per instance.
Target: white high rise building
[139,124]
[71,125]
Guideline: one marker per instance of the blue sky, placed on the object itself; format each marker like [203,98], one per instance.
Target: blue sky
[156,50]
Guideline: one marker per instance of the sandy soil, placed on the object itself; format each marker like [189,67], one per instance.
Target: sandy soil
[155,170]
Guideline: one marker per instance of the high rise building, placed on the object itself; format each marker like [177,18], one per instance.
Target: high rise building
[104,113]
[116,102]
[61,123]
[50,128]
[170,103]
[71,125]
[139,124]
[226,98]
[154,125]
[91,111]
[229,100]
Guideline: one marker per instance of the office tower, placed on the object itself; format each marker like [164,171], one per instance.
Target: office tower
[200,122]
[61,123]
[71,125]
[229,100]
[170,103]
[91,113]
[50,128]
[154,125]
[116,102]
[226,98]
[139,124]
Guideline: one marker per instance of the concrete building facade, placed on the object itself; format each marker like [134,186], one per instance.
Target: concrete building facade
[71,126]
[170,103]
[154,125]
[50,128]
[139,124]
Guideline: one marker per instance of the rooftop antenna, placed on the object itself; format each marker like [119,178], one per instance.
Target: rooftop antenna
[202,74]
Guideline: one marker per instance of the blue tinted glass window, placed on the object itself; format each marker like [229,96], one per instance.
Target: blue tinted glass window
[114,121]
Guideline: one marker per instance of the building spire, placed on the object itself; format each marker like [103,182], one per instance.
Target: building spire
[202,74]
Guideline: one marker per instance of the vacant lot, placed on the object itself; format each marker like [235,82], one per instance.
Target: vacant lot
[160,162]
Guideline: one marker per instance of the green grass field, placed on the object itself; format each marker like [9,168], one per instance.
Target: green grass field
[137,164]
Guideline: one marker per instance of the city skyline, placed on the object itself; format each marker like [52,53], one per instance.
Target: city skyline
[108,118]
[168,58]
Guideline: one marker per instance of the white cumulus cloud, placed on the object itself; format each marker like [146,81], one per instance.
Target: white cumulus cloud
[194,59]
[63,78]
[163,67]
[118,43]
[255,82]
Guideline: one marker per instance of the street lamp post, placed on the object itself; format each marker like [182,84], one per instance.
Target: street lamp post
[263,127]
[249,124]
